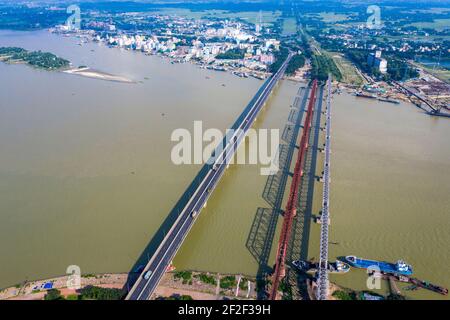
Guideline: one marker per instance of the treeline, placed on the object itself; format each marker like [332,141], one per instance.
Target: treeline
[235,53]
[321,66]
[8,51]
[304,43]
[87,293]
[38,59]
[297,61]
[98,293]
[21,17]
[359,58]
[400,70]
[280,57]
[397,69]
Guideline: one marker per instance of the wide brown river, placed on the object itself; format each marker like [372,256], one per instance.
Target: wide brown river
[86,176]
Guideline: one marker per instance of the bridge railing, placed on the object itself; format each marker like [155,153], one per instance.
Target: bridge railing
[323,282]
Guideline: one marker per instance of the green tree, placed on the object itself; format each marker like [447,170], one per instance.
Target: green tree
[98,293]
[53,294]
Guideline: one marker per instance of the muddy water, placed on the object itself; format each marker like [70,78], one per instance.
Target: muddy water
[390,189]
[86,176]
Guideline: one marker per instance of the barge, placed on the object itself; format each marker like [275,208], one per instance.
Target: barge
[313,267]
[400,267]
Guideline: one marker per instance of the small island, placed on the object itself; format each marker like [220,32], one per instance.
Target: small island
[49,61]
[37,59]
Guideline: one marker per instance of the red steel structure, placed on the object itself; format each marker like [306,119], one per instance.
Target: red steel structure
[291,208]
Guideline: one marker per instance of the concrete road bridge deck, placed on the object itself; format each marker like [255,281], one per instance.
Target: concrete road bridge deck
[152,273]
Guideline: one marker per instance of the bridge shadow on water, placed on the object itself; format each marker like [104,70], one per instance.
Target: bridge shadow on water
[168,222]
[261,237]
[262,232]
[299,242]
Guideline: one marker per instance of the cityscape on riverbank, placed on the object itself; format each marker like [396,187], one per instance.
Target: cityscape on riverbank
[320,65]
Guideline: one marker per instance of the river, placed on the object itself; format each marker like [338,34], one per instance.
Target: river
[86,177]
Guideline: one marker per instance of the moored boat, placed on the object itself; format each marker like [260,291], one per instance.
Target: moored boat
[312,267]
[363,95]
[400,267]
[388,100]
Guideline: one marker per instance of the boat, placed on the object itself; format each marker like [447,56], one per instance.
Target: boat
[363,95]
[302,265]
[338,267]
[429,286]
[240,74]
[438,113]
[400,267]
[219,69]
[312,267]
[416,284]
[388,100]
[257,77]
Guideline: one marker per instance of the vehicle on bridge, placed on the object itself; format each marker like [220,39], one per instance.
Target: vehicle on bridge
[147,274]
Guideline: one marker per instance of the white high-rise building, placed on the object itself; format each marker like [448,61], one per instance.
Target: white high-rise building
[375,60]
[258,26]
[381,65]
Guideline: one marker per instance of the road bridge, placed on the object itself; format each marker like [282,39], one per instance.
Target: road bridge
[152,273]
[325,218]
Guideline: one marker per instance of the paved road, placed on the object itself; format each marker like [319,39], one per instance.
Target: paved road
[157,265]
[323,262]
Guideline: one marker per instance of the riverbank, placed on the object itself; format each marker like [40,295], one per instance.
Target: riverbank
[197,285]
[36,290]
[193,285]
[234,66]
[426,92]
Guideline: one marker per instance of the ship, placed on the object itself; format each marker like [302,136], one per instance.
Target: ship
[240,74]
[400,267]
[313,267]
[388,100]
[438,113]
[219,68]
[416,283]
[363,95]
[257,77]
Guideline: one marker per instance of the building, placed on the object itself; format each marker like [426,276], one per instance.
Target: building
[381,65]
[267,58]
[375,60]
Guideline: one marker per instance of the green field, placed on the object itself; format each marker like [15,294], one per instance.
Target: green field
[331,17]
[289,26]
[181,12]
[268,17]
[432,10]
[438,24]
[348,70]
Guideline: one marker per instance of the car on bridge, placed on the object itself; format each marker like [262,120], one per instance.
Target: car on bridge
[147,274]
